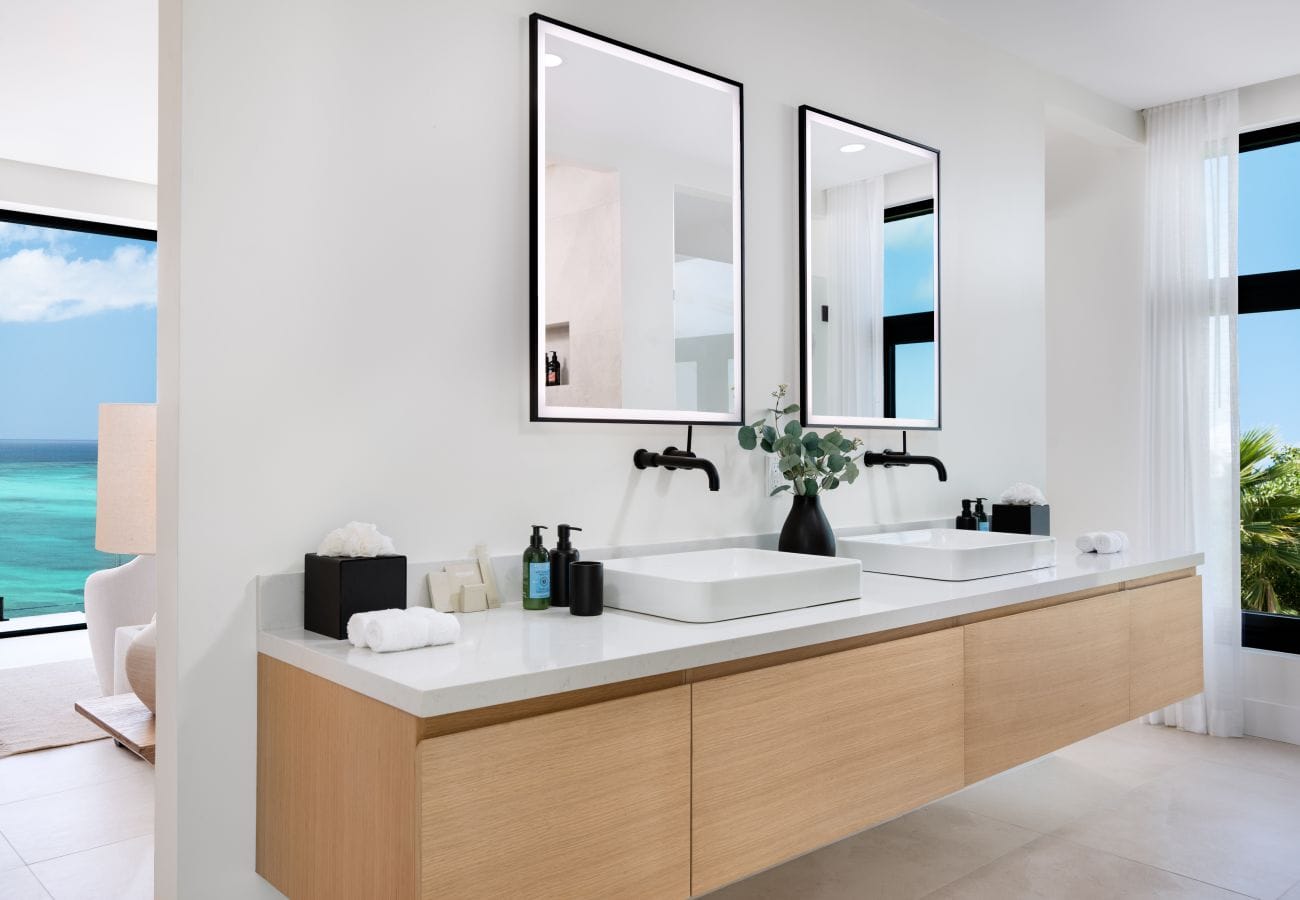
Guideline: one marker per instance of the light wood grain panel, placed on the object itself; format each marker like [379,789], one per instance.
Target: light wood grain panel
[1176,575]
[789,758]
[435,726]
[128,720]
[587,802]
[1003,611]
[1040,680]
[336,789]
[1167,661]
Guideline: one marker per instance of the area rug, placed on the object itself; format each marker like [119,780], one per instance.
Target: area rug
[36,706]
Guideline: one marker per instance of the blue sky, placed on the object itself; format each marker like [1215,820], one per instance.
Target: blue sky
[78,327]
[1268,236]
[909,288]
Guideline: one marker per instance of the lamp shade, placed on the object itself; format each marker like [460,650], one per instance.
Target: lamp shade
[126,502]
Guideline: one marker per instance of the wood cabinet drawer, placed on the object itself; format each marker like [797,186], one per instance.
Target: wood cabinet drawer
[1166,635]
[789,758]
[587,802]
[1037,681]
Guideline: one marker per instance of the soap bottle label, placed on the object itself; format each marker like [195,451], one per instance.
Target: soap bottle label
[539,580]
[984,526]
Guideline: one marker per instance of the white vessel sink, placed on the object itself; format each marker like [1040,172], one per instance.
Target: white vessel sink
[948,554]
[712,585]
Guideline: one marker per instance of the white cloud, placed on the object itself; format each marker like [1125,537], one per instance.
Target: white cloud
[38,285]
[13,233]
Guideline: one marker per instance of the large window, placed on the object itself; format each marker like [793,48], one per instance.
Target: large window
[1269,381]
[909,311]
[77,328]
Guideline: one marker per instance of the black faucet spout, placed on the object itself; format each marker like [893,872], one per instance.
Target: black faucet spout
[896,458]
[672,458]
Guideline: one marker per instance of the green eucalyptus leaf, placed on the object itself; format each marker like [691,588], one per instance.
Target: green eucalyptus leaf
[766,445]
[798,487]
[788,462]
[835,462]
[792,408]
[787,446]
[792,428]
[748,438]
[777,490]
[757,425]
[769,433]
[810,486]
[830,483]
[813,444]
[850,472]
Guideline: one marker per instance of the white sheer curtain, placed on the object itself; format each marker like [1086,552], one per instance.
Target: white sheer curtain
[855,225]
[1190,382]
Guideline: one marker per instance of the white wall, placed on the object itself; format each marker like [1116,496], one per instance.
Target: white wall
[1094,259]
[345,294]
[80,195]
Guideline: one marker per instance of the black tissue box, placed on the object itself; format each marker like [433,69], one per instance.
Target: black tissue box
[338,586]
[1015,519]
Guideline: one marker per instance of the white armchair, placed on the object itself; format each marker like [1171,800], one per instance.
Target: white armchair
[126,595]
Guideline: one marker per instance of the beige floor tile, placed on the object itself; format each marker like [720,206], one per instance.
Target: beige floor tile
[1041,796]
[905,858]
[9,859]
[1272,757]
[51,771]
[121,871]
[1126,763]
[1053,869]
[1220,824]
[81,818]
[21,884]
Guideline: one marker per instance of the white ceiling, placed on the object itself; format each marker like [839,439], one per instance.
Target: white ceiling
[79,85]
[1140,53]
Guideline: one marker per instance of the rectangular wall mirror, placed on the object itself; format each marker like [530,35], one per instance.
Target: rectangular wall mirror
[869,276]
[637,235]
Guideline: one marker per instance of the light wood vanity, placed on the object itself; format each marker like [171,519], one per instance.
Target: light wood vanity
[675,784]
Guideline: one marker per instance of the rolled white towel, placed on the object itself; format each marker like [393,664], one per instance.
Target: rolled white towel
[1085,542]
[393,629]
[1111,542]
[443,628]
[357,628]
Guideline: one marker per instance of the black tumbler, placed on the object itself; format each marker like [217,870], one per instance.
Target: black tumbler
[586,588]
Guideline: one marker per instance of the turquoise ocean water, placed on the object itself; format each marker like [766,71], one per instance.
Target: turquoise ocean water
[47,525]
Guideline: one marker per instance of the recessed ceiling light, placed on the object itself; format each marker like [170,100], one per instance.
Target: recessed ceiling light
[853,148]
[551,60]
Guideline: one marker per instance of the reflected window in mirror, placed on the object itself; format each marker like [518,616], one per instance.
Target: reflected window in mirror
[869,285]
[637,235]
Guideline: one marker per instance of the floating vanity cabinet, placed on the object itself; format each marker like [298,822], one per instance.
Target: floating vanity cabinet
[1039,680]
[793,756]
[587,802]
[1166,644]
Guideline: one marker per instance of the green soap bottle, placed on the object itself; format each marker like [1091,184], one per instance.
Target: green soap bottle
[537,572]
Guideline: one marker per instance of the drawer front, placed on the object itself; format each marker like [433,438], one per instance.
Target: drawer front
[789,758]
[1166,650]
[587,802]
[1037,681]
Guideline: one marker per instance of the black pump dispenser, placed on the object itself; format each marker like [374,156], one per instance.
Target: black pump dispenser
[967,521]
[981,517]
[561,556]
[536,539]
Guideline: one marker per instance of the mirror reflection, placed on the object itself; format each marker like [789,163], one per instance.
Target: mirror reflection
[637,233]
[870,276]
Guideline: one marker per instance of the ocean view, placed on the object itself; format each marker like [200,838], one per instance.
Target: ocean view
[47,525]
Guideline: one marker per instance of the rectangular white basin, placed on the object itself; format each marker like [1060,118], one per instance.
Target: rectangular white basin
[948,554]
[712,585]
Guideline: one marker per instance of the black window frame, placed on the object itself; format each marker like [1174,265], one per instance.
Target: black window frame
[86,226]
[1269,292]
[905,328]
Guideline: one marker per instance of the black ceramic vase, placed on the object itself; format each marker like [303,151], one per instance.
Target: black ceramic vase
[806,529]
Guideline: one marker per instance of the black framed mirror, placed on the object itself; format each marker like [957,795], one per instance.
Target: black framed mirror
[869,276]
[637,248]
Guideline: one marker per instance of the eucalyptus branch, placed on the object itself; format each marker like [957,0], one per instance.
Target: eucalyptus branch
[810,462]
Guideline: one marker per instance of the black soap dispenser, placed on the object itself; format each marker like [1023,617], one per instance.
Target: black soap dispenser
[561,556]
[967,521]
[981,517]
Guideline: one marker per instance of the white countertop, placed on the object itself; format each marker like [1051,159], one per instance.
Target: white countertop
[510,654]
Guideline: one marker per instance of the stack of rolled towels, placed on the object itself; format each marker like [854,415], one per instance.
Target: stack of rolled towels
[1102,542]
[386,630]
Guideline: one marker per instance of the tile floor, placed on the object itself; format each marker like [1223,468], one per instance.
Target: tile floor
[1134,812]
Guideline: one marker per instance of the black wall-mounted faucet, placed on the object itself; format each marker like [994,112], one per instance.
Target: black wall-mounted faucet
[890,458]
[672,458]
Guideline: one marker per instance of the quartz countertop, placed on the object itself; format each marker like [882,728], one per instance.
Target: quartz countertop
[511,654]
